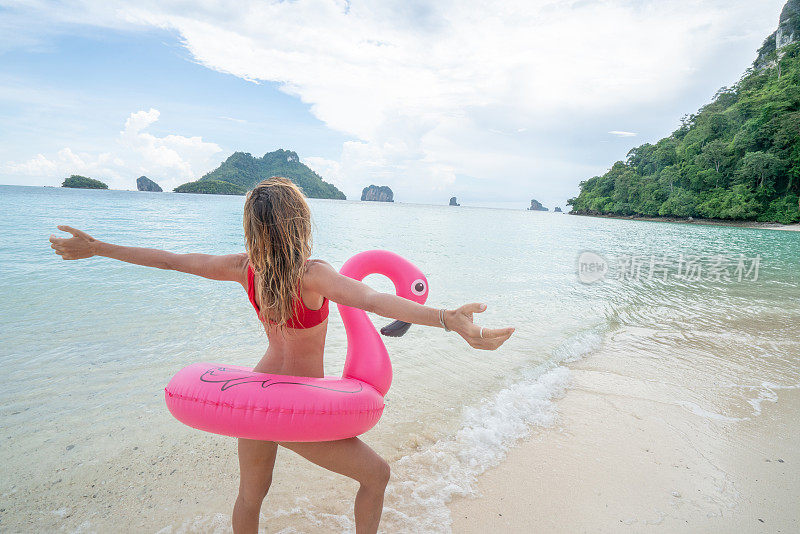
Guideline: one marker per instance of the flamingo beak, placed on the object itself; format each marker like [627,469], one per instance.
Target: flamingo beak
[395,329]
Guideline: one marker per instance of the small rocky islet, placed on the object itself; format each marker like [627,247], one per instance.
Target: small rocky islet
[377,193]
[143,183]
[537,206]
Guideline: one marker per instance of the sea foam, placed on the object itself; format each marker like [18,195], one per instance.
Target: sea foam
[425,481]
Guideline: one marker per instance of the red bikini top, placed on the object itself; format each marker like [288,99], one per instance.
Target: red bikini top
[303,317]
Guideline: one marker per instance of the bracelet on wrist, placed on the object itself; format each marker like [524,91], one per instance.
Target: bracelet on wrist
[441,320]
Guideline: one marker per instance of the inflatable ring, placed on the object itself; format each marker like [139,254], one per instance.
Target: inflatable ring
[235,401]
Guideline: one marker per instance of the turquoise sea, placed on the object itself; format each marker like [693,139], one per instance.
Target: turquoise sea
[87,347]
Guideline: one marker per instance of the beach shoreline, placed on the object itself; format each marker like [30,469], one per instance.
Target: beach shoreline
[628,453]
[795,227]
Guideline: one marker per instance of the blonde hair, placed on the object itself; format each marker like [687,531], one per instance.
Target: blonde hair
[277,233]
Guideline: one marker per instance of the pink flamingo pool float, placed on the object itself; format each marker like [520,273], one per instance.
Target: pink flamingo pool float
[235,401]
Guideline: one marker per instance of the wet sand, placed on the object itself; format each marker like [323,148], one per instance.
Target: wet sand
[626,455]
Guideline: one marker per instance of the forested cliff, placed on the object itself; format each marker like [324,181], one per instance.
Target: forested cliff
[736,158]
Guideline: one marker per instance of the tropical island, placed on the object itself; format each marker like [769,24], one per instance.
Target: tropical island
[241,172]
[77,181]
[737,158]
[377,193]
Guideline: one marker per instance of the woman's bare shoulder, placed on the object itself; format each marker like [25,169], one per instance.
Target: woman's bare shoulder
[317,268]
[317,271]
[316,262]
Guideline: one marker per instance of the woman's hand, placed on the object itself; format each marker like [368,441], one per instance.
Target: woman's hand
[460,321]
[80,245]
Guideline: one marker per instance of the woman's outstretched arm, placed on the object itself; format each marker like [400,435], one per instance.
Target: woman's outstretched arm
[81,245]
[326,281]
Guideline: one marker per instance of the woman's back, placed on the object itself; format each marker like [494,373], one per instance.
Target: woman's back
[302,317]
[297,347]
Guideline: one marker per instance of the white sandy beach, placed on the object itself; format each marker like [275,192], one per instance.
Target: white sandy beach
[628,456]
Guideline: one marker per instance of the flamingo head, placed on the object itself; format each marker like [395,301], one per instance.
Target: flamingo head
[411,284]
[408,280]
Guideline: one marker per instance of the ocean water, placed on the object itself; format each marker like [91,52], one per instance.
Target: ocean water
[87,347]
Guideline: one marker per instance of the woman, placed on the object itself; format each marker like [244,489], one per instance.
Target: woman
[291,293]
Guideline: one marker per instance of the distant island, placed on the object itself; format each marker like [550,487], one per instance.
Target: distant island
[377,193]
[143,183]
[737,158]
[454,202]
[82,182]
[211,187]
[557,210]
[241,172]
[537,206]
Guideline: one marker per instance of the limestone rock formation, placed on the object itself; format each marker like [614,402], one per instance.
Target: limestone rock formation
[143,183]
[788,32]
[537,206]
[377,193]
[789,25]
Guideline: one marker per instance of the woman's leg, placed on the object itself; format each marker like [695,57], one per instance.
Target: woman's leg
[353,458]
[256,460]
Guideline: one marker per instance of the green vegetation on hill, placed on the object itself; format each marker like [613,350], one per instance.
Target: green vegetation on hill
[82,182]
[211,187]
[737,158]
[241,172]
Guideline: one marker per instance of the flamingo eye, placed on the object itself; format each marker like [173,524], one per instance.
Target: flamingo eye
[418,287]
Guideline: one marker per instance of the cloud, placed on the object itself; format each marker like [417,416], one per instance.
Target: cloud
[420,87]
[171,154]
[620,133]
[171,159]
[65,162]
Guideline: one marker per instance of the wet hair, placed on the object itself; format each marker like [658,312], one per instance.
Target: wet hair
[277,233]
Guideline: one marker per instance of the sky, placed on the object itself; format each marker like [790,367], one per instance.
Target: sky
[493,102]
